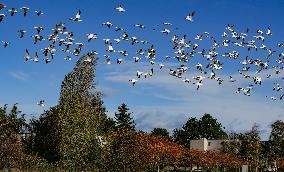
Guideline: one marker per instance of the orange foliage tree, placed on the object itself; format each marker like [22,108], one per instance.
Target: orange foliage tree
[280,163]
[132,151]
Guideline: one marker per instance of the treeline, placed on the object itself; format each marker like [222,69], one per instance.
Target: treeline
[77,135]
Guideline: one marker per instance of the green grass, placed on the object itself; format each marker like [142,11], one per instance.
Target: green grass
[13,170]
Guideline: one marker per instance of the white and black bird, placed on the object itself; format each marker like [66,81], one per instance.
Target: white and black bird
[91,36]
[39,13]
[38,29]
[232,79]
[118,29]
[22,32]
[199,84]
[110,48]
[68,58]
[123,52]
[2,17]
[166,31]
[36,58]
[224,34]
[37,38]
[136,59]
[117,40]
[134,40]
[138,73]
[119,60]
[186,80]
[106,40]
[212,75]
[108,24]
[259,37]
[5,44]
[40,103]
[120,9]
[25,10]
[108,61]
[13,11]
[77,17]
[226,43]
[125,36]
[257,80]
[190,17]
[133,81]
[2,6]
[140,52]
[260,32]
[269,32]
[277,87]
[139,26]
[27,56]
[167,24]
[198,37]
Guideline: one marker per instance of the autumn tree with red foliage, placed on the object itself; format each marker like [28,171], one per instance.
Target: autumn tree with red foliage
[132,151]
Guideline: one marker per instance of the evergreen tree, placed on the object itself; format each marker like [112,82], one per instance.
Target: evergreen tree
[161,132]
[123,118]
[109,125]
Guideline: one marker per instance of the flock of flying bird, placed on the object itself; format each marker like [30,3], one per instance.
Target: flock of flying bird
[185,51]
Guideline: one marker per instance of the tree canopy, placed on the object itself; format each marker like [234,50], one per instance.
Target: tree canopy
[207,127]
[162,132]
[123,119]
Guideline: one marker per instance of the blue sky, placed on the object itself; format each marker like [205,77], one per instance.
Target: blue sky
[161,101]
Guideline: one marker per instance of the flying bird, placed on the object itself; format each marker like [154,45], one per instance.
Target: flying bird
[190,17]
[2,6]
[39,13]
[40,103]
[22,32]
[25,10]
[36,58]
[133,81]
[27,56]
[13,11]
[5,44]
[77,17]
[108,24]
[2,17]
[91,36]
[38,29]
[120,9]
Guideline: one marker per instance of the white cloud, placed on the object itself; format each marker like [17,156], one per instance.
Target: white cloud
[19,75]
[235,111]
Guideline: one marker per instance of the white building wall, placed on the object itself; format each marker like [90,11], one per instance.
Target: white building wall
[214,145]
[205,145]
[200,144]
